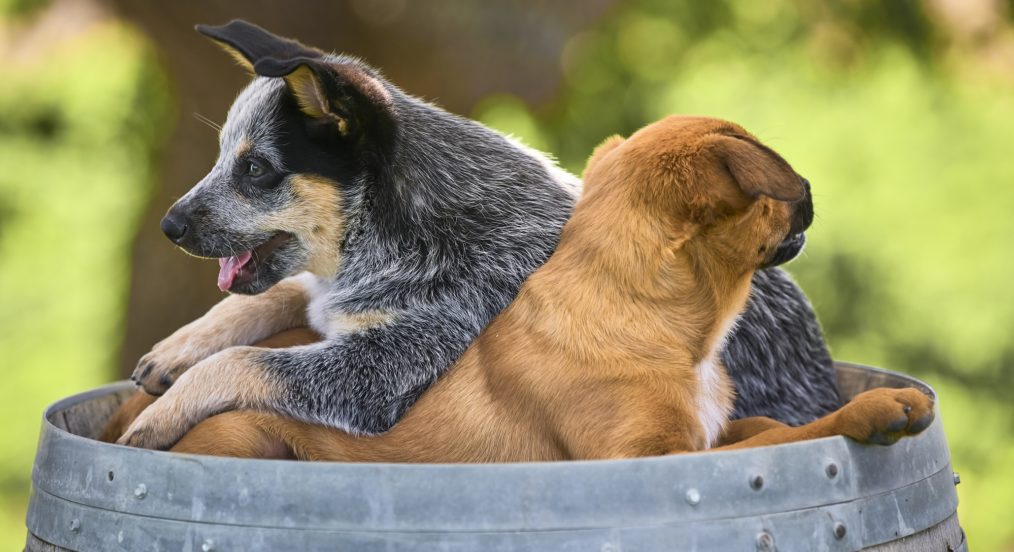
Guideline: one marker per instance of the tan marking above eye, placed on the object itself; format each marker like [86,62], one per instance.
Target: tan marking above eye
[244,147]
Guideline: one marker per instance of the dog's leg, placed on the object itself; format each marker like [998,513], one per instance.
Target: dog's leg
[744,428]
[879,416]
[250,434]
[239,434]
[456,421]
[232,379]
[361,382]
[236,320]
[136,403]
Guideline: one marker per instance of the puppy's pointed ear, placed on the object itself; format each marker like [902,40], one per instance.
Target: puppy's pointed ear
[247,43]
[757,169]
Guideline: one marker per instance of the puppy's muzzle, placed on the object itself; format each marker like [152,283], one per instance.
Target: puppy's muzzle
[789,249]
[792,245]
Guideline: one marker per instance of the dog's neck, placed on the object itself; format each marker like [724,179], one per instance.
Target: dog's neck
[619,261]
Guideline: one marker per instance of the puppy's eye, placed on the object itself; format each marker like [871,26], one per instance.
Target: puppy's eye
[256,174]
[254,169]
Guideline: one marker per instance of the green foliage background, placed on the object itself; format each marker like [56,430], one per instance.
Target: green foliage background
[905,136]
[76,147]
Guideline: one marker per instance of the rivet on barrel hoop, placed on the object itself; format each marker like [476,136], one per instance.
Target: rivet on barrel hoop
[208,546]
[957,478]
[75,525]
[765,542]
[839,530]
[831,470]
[693,497]
[757,482]
[141,491]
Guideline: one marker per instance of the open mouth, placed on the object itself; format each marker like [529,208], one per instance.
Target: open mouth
[242,268]
[787,250]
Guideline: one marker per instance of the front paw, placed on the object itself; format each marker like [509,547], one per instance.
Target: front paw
[155,372]
[153,429]
[881,416]
[169,359]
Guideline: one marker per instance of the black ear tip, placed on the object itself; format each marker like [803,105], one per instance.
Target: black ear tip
[215,30]
[273,67]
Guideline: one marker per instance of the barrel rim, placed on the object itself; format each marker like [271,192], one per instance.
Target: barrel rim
[123,385]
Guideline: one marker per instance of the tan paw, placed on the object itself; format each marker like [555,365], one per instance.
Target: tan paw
[881,416]
[157,428]
[218,383]
[170,358]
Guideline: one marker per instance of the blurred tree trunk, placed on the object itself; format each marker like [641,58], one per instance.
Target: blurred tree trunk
[452,52]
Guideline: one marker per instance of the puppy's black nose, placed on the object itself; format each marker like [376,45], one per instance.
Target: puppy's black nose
[174,227]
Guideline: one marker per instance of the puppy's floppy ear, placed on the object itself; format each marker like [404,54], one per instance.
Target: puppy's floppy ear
[343,93]
[247,43]
[758,169]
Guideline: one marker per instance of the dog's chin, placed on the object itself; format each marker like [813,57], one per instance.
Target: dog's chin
[255,284]
[789,249]
[264,276]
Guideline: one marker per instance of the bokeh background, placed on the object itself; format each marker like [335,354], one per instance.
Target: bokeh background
[901,113]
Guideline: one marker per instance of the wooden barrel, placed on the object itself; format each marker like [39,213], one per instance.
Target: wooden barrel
[827,494]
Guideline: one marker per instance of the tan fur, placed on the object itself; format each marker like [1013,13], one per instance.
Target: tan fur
[884,413]
[344,322]
[315,217]
[244,147]
[600,355]
[229,380]
[132,407]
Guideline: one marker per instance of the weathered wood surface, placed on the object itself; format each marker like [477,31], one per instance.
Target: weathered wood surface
[946,536]
[35,544]
[87,419]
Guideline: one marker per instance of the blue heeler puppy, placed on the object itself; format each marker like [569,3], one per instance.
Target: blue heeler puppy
[394,229]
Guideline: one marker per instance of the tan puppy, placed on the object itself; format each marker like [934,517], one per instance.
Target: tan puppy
[609,350]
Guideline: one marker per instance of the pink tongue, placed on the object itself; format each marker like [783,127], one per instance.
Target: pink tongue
[229,267]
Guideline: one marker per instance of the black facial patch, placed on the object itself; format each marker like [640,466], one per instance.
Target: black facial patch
[308,146]
[304,146]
